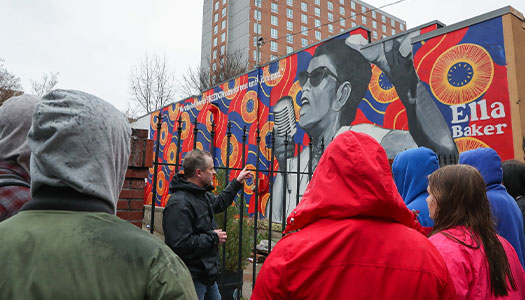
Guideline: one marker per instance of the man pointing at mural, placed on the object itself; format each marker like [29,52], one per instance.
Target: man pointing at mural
[334,84]
[189,225]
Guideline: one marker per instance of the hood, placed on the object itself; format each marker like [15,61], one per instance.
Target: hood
[178,183]
[352,179]
[487,161]
[411,169]
[79,141]
[15,121]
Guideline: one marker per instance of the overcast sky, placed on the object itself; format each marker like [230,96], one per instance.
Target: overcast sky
[95,44]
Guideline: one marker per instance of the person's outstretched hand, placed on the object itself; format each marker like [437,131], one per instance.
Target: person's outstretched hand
[244,174]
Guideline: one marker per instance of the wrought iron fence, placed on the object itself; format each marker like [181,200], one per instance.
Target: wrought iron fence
[270,172]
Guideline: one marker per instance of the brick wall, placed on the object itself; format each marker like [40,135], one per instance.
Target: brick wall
[130,205]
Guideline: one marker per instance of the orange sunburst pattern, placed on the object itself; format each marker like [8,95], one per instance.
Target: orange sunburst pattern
[380,87]
[469,143]
[461,74]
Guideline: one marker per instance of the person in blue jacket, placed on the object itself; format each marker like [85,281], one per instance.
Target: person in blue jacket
[411,169]
[509,221]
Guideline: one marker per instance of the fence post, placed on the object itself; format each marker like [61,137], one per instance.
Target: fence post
[271,189]
[155,170]
[241,216]
[258,140]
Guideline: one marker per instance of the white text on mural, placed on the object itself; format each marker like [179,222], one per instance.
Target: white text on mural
[478,112]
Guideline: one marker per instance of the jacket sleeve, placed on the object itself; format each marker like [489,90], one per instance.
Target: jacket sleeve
[226,197]
[272,279]
[178,223]
[169,278]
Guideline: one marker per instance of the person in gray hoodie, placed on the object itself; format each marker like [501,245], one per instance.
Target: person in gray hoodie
[15,121]
[67,243]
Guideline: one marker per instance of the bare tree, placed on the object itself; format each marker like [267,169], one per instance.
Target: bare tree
[9,84]
[152,84]
[46,85]
[228,65]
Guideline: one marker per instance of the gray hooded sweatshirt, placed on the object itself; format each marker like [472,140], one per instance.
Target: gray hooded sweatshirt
[66,243]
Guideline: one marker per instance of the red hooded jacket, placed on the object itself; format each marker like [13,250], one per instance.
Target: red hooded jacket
[356,238]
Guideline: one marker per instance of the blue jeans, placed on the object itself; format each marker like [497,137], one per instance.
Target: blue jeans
[206,292]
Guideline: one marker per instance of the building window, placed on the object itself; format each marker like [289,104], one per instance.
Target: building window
[342,2]
[341,29]
[304,6]
[304,18]
[373,14]
[304,30]
[216,18]
[402,27]
[257,14]
[222,49]
[274,7]
[330,5]
[215,29]
[257,3]
[353,24]
[257,28]
[274,20]
[223,12]
[342,10]
[330,28]
[289,49]
[273,57]
[216,5]
[352,4]
[304,42]
[383,19]
[317,2]
[317,23]
[255,55]
[318,35]
[383,27]
[363,9]
[353,15]
[223,24]
[214,42]
[273,33]
[273,46]
[317,11]
[214,67]
[342,22]
[363,19]
[393,31]
[330,16]
[214,54]
[289,25]
[374,24]
[374,34]
[289,13]
[289,38]
[223,36]
[392,22]
[255,41]
[289,2]
[223,1]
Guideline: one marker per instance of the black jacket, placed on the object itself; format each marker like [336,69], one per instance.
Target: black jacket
[188,224]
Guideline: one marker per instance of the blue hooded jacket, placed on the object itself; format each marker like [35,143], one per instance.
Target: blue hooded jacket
[411,169]
[509,221]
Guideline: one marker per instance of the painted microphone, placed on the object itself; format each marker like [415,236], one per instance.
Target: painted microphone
[284,116]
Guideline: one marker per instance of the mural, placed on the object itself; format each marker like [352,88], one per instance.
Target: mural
[448,93]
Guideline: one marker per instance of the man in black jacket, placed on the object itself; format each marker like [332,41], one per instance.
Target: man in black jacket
[189,225]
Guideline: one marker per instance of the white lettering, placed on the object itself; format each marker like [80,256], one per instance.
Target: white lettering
[483,109]
[456,113]
[489,130]
[497,110]
[456,131]
[498,128]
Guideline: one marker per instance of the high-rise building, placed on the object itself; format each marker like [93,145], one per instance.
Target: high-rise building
[285,26]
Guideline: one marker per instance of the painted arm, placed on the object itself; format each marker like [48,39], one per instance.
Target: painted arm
[425,122]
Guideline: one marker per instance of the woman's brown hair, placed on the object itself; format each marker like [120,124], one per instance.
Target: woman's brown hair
[462,201]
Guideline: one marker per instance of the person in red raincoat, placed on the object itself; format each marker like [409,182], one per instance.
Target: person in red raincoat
[352,236]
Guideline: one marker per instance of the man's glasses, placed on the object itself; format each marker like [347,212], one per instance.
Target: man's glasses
[316,76]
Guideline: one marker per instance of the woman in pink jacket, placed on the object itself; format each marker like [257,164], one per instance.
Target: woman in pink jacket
[482,264]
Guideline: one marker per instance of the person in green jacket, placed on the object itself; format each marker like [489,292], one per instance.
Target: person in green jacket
[67,243]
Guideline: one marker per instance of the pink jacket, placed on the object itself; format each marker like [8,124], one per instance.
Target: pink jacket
[469,269]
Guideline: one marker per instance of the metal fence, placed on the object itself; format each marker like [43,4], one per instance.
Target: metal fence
[270,172]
